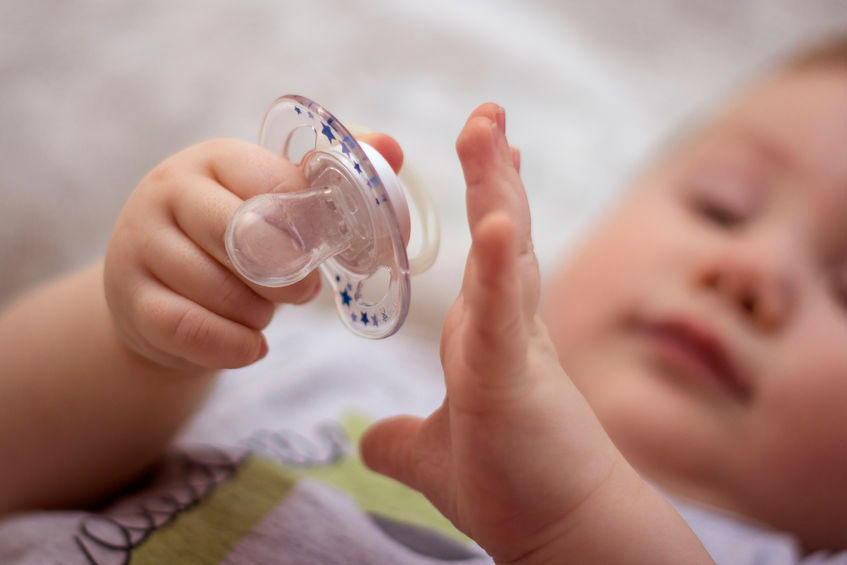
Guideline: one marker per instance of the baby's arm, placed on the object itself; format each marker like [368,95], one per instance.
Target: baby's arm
[100,368]
[80,412]
[515,457]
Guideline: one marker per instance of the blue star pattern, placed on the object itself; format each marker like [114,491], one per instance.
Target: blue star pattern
[327,131]
[358,313]
[369,317]
[346,144]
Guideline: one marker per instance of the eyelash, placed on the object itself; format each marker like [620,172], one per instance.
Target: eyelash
[716,212]
[839,286]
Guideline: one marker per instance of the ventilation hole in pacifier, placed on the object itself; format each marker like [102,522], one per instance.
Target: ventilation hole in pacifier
[299,143]
[375,287]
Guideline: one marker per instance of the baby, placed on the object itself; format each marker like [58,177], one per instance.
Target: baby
[704,321]
[692,341]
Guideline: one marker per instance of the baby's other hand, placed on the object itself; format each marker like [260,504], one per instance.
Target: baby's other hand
[514,448]
[173,293]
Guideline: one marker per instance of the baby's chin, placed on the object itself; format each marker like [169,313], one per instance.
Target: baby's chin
[662,430]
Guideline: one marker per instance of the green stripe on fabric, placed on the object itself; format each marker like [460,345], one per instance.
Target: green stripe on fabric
[206,533]
[376,493]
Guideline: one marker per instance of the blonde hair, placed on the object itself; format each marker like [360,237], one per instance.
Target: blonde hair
[829,52]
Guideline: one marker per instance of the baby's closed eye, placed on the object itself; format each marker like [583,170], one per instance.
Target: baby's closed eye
[722,196]
[838,282]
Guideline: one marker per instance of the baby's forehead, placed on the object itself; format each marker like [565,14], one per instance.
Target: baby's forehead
[797,117]
[793,123]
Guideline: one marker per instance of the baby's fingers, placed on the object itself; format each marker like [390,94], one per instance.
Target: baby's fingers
[202,211]
[389,447]
[491,170]
[180,265]
[495,339]
[183,331]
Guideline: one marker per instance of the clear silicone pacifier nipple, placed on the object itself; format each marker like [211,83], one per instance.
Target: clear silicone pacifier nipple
[352,221]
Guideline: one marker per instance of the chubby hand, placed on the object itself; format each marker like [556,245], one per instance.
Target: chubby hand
[172,291]
[514,449]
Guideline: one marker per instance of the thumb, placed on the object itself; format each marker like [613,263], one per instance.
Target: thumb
[388,447]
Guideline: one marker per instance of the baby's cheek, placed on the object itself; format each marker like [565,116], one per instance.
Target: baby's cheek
[576,310]
[797,417]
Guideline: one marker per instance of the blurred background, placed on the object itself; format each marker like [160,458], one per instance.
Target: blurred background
[94,94]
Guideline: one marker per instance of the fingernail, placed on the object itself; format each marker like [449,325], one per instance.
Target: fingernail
[516,158]
[263,350]
[500,118]
[499,138]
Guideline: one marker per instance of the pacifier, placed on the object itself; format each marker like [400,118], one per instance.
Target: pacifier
[352,222]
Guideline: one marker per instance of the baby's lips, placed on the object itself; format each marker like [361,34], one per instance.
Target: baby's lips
[703,343]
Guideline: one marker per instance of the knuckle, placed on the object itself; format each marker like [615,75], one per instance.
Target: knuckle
[213,149]
[161,173]
[139,308]
[150,243]
[232,293]
[239,300]
[138,319]
[220,144]
[192,330]
[197,336]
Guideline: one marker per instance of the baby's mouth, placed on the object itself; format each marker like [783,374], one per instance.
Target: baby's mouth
[695,351]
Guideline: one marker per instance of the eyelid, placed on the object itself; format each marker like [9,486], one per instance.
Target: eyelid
[731,189]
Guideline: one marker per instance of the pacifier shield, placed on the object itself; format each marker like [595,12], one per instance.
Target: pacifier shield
[369,270]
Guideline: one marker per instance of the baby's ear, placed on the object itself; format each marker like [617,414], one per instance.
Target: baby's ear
[387,147]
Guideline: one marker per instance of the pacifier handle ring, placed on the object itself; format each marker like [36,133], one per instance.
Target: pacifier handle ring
[425,206]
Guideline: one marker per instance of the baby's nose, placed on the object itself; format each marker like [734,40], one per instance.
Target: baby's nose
[756,284]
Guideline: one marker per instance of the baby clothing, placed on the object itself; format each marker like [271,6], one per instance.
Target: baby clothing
[732,540]
[268,473]
[209,505]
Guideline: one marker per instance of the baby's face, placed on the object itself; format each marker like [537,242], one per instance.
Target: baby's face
[706,319]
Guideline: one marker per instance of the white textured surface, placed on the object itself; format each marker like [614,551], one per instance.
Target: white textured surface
[93,94]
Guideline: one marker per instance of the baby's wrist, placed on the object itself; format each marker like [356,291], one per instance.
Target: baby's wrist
[624,521]
[583,535]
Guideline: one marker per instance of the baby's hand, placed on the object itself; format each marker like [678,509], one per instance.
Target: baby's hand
[172,291]
[515,448]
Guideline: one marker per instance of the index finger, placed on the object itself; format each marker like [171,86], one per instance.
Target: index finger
[247,169]
[231,172]
[226,173]
[490,169]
